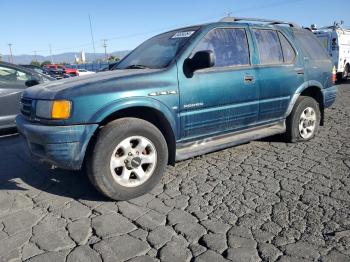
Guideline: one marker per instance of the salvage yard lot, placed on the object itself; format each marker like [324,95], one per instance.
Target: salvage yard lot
[266,200]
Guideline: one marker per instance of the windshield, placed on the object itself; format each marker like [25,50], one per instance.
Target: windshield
[157,52]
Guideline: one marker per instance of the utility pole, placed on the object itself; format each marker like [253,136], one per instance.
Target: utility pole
[105,47]
[51,53]
[92,39]
[11,56]
[35,57]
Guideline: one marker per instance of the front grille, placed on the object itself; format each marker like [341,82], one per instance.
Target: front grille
[26,106]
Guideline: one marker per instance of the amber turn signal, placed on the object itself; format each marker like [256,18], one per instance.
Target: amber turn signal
[61,109]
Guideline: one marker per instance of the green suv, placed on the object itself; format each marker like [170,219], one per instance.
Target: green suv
[181,94]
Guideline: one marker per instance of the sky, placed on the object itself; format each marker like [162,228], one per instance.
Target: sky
[34,25]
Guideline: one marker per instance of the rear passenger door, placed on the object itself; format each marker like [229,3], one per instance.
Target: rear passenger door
[278,72]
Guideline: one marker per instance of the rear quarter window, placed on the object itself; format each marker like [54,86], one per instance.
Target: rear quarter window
[311,45]
[288,51]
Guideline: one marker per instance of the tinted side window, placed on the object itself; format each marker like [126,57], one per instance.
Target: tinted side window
[311,45]
[230,46]
[10,77]
[287,49]
[269,47]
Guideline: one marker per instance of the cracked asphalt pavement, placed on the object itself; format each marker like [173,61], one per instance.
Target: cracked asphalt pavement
[262,201]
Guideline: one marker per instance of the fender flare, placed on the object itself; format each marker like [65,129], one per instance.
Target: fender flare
[299,90]
[121,104]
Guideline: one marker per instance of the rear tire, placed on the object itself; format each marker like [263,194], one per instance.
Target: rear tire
[339,77]
[344,75]
[346,72]
[128,159]
[304,120]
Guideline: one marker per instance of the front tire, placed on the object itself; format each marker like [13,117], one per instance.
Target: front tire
[304,120]
[128,159]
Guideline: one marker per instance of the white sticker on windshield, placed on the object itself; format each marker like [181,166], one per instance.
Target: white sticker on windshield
[183,34]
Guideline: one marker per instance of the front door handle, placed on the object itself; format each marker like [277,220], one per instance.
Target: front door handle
[248,79]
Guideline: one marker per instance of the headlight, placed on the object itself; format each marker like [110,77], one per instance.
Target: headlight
[43,109]
[58,109]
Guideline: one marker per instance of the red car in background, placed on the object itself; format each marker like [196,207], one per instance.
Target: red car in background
[68,71]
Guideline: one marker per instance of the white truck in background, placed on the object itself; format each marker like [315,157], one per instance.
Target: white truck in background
[336,40]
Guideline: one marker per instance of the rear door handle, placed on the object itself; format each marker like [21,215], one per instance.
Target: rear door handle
[248,79]
[300,72]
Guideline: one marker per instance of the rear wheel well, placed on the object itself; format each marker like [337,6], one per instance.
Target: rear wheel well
[153,116]
[316,94]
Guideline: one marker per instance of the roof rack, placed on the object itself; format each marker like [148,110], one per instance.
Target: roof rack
[268,21]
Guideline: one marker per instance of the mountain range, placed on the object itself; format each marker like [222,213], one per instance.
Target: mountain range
[60,58]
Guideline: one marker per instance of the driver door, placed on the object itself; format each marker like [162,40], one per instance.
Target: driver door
[225,97]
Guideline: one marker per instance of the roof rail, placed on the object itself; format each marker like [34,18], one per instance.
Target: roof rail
[334,26]
[268,21]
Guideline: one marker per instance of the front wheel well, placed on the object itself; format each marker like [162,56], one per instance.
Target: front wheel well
[153,116]
[316,94]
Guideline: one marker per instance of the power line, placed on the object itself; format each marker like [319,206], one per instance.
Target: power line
[259,7]
[264,6]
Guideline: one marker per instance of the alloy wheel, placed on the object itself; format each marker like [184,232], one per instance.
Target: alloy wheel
[307,123]
[133,161]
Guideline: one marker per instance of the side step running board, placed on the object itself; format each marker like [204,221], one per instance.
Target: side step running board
[201,147]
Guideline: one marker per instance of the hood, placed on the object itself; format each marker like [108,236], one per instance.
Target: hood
[67,86]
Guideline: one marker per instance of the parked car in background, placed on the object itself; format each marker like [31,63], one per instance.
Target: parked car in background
[181,94]
[13,80]
[336,40]
[57,73]
[84,72]
[66,70]
[35,68]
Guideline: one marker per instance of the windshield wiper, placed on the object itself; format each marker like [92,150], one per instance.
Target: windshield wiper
[136,67]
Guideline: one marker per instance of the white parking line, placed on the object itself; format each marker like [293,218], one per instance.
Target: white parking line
[9,135]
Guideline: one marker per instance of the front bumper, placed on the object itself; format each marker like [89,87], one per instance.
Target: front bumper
[62,146]
[329,96]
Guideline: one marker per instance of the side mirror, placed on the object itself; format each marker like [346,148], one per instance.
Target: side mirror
[200,60]
[32,82]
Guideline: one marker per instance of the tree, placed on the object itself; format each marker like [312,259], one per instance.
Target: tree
[35,63]
[0,57]
[46,62]
[113,58]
